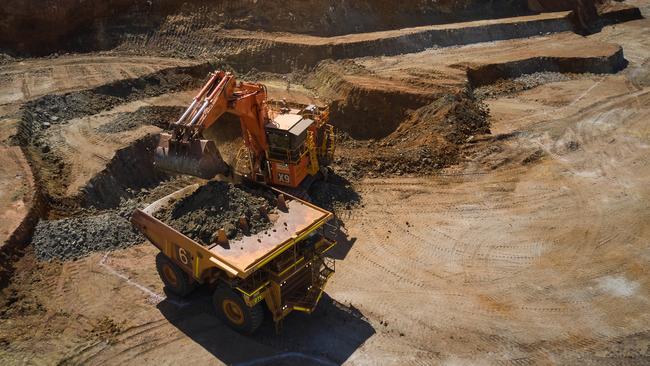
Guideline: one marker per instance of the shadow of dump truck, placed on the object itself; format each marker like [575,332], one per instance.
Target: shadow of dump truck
[328,336]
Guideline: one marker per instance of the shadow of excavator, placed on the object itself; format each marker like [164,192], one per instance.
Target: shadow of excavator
[337,195]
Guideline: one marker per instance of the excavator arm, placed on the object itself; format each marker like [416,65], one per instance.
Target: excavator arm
[185,151]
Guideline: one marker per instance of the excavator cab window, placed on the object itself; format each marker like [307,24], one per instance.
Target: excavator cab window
[278,139]
[288,144]
[310,111]
[282,147]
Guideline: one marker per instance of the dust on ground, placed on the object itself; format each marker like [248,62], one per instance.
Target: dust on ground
[159,116]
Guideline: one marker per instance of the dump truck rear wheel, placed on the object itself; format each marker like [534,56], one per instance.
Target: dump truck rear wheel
[175,279]
[232,309]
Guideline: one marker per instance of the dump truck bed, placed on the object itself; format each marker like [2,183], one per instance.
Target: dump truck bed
[243,256]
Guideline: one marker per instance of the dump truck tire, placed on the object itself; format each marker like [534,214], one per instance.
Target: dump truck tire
[232,310]
[175,279]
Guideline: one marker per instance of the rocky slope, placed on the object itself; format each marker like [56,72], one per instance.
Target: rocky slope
[37,27]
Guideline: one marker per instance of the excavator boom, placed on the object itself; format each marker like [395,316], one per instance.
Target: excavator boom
[283,148]
[184,151]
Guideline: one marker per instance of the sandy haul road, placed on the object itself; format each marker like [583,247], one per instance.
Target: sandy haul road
[528,263]
[535,251]
[541,263]
[532,251]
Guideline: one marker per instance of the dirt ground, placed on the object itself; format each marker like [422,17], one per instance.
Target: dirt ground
[523,240]
[16,189]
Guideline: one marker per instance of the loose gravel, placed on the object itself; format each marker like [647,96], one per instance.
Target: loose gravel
[99,230]
[218,205]
[73,238]
[160,116]
[524,82]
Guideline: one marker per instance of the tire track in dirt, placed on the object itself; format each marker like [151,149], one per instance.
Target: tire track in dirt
[554,220]
[70,73]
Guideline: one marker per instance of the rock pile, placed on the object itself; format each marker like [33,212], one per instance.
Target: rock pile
[72,238]
[218,205]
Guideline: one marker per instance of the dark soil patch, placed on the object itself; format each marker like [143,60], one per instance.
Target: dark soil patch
[16,301]
[60,108]
[503,87]
[218,205]
[94,229]
[428,139]
[107,330]
[159,116]
[75,237]
[52,172]
[130,170]
[534,157]
[335,194]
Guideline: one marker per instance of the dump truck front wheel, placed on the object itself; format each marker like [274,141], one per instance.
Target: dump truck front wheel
[232,309]
[175,279]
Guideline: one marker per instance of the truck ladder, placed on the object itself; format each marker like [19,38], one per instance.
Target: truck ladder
[319,273]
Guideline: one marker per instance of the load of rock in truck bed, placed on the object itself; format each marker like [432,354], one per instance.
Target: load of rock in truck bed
[239,210]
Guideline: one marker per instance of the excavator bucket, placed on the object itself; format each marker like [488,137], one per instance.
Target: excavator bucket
[200,158]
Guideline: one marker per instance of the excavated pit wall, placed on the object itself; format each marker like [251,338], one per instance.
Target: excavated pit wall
[283,57]
[389,108]
[488,74]
[56,110]
[39,27]
[350,107]
[43,26]
[621,15]
[48,169]
[361,111]
[13,248]
[129,171]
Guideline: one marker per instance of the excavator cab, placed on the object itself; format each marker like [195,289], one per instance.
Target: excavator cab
[287,136]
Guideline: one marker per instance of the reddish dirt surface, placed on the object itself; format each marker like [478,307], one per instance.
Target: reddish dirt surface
[41,27]
[16,190]
[522,240]
[60,21]
[432,86]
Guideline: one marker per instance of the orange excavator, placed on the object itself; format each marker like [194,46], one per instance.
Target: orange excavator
[286,148]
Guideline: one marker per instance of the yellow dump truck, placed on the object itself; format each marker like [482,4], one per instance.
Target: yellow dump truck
[283,267]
